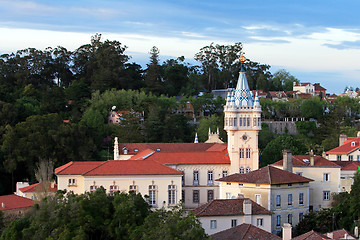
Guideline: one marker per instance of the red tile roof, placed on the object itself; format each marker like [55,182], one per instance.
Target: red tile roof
[166,147]
[339,234]
[128,167]
[37,187]
[190,157]
[142,155]
[348,165]
[229,207]
[266,175]
[277,94]
[301,84]
[312,235]
[350,145]
[244,232]
[76,168]
[14,202]
[298,161]
[318,87]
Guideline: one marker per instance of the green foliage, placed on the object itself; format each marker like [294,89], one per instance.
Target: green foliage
[100,216]
[213,122]
[265,136]
[312,108]
[273,150]
[283,81]
[306,127]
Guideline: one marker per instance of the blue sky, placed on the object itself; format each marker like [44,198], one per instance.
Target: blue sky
[316,41]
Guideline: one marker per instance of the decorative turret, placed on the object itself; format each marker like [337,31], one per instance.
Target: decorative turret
[196,139]
[242,123]
[116,149]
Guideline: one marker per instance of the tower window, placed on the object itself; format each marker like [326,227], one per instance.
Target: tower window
[240,122]
[235,122]
[241,170]
[241,153]
[248,122]
[248,153]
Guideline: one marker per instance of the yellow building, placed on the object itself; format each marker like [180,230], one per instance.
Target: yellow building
[326,176]
[219,215]
[160,183]
[284,193]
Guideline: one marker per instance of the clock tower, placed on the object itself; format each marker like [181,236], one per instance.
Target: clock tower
[242,124]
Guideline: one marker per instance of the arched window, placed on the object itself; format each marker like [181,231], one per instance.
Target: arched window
[248,169]
[241,170]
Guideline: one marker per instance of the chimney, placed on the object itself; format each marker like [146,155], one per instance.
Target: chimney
[342,139]
[247,210]
[3,205]
[312,161]
[287,160]
[330,235]
[356,231]
[286,231]
[116,149]
[358,134]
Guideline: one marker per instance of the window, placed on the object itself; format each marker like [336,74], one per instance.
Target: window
[113,188]
[259,222]
[358,157]
[210,178]
[196,178]
[210,195]
[278,220]
[240,122]
[244,122]
[241,170]
[183,196]
[136,150]
[248,153]
[152,195]
[248,122]
[351,158]
[235,122]
[299,173]
[196,196]
[326,195]
[183,179]
[259,122]
[257,198]
[233,222]
[290,199]
[213,224]
[289,184]
[133,188]
[290,219]
[171,194]
[93,188]
[338,157]
[228,195]
[125,150]
[241,153]
[278,200]
[301,216]
[72,182]
[224,173]
[254,122]
[248,169]
[326,177]
[301,198]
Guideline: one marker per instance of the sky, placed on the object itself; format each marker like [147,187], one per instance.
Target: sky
[316,41]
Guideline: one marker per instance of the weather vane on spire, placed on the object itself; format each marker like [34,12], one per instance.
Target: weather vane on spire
[242,58]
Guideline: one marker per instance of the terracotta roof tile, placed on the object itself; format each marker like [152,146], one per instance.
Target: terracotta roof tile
[142,155]
[348,165]
[244,231]
[266,175]
[37,187]
[347,146]
[129,167]
[166,147]
[298,161]
[339,234]
[76,168]
[14,201]
[190,157]
[229,207]
[312,235]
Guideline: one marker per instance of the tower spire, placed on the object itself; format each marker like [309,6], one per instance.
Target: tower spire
[243,96]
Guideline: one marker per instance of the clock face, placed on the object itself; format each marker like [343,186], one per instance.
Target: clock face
[244,137]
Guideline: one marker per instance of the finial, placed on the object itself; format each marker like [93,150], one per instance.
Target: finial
[242,58]
[196,138]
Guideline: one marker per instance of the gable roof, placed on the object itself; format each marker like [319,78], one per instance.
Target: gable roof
[229,207]
[8,202]
[339,234]
[166,147]
[190,157]
[76,168]
[128,167]
[298,161]
[348,165]
[244,231]
[312,235]
[37,187]
[301,84]
[346,147]
[266,175]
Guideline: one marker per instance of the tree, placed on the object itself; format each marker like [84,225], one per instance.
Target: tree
[283,81]
[312,108]
[153,74]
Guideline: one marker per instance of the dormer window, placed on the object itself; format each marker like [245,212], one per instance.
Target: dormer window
[136,150]
[125,150]
[158,149]
[352,144]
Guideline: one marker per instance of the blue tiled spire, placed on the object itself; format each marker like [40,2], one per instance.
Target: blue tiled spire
[243,96]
